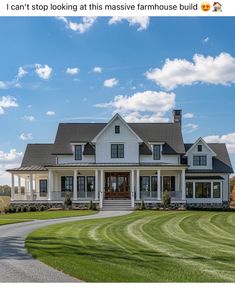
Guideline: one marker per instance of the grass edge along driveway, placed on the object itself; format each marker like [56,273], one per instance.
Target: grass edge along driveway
[46,215]
[11,221]
[145,246]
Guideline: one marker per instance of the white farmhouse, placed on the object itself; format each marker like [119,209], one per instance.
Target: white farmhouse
[119,164]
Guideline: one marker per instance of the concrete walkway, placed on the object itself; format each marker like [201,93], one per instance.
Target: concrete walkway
[16,265]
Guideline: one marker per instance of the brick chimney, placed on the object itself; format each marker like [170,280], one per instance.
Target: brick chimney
[177,116]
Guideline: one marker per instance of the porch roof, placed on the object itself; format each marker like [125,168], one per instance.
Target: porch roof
[204,178]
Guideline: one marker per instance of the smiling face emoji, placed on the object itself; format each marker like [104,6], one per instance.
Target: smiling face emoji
[206,6]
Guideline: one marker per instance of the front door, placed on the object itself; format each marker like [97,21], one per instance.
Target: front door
[117,185]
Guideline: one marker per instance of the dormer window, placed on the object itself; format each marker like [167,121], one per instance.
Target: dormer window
[117,129]
[78,152]
[156,152]
[199,148]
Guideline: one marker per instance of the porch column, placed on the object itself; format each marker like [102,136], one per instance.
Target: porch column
[158,184]
[31,185]
[50,182]
[101,188]
[137,184]
[19,185]
[75,190]
[132,189]
[12,186]
[96,184]
[183,184]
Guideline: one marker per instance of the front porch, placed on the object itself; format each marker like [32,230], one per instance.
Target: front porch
[84,184]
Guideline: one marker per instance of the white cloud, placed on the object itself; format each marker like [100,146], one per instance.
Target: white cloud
[72,71]
[141,22]
[3,85]
[86,24]
[190,127]
[21,72]
[228,139]
[210,70]
[153,104]
[26,136]
[50,113]
[29,118]
[7,102]
[97,69]
[188,115]
[205,40]
[110,82]
[9,160]
[43,72]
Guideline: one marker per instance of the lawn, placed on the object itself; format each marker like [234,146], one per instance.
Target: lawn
[6,222]
[46,214]
[145,246]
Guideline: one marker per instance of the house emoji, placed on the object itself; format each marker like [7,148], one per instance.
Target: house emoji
[217,7]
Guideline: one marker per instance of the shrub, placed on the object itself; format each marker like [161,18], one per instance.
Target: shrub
[67,201]
[91,205]
[24,209]
[142,205]
[32,209]
[41,208]
[18,209]
[166,199]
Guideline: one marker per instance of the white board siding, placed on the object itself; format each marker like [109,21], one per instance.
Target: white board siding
[64,159]
[126,137]
[170,159]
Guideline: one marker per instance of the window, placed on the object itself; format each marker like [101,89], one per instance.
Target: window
[43,187]
[156,152]
[216,190]
[90,183]
[189,189]
[203,190]
[199,148]
[117,150]
[145,183]
[154,183]
[81,184]
[117,129]
[199,160]
[169,183]
[78,152]
[67,183]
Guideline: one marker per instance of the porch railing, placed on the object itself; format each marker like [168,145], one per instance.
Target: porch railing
[59,195]
[152,195]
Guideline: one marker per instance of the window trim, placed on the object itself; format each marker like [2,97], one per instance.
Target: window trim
[154,152]
[199,149]
[76,154]
[117,129]
[199,161]
[119,154]
[43,193]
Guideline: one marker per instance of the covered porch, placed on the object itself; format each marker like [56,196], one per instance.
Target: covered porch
[98,183]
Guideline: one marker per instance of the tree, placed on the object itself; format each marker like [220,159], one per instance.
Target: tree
[67,201]
[166,199]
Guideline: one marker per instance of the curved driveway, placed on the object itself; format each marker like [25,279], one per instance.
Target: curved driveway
[16,265]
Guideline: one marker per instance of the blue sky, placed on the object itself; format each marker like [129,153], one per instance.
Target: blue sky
[86,69]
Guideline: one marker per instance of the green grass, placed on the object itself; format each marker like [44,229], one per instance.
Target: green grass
[47,214]
[145,246]
[6,222]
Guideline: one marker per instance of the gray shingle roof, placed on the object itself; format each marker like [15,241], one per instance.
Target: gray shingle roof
[38,155]
[148,132]
[221,163]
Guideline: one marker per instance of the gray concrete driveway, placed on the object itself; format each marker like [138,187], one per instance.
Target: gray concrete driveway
[16,265]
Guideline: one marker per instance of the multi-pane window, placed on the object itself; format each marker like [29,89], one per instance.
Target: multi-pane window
[199,148]
[168,183]
[156,152]
[117,129]
[67,183]
[154,183]
[43,187]
[199,160]
[145,183]
[81,184]
[117,150]
[90,183]
[216,190]
[78,152]
[203,190]
[189,189]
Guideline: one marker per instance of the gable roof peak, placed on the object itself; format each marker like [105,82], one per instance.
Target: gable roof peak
[200,139]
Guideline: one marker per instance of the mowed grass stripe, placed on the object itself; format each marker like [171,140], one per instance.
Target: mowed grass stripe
[146,246]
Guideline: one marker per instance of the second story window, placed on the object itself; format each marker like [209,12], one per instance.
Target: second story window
[156,152]
[117,150]
[199,148]
[199,160]
[117,129]
[78,152]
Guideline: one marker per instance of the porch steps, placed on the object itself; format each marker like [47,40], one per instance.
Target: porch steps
[117,205]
